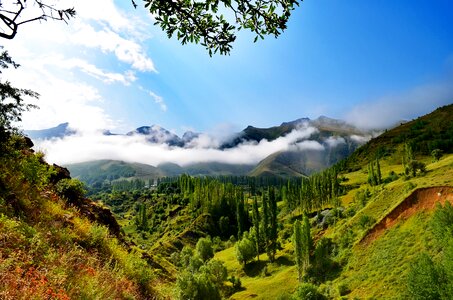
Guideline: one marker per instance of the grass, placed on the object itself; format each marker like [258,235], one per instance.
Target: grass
[378,270]
[281,275]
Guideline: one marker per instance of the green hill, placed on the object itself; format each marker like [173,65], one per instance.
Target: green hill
[57,244]
[96,172]
[423,135]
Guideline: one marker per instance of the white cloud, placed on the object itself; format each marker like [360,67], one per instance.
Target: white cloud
[125,49]
[159,101]
[91,146]
[334,141]
[102,42]
[387,111]
[309,145]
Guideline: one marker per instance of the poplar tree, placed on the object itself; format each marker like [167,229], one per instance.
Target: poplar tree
[298,248]
[307,243]
[256,225]
[272,244]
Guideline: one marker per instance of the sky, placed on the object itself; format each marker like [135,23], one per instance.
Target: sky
[371,63]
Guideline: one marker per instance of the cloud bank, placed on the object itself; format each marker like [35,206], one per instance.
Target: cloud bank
[389,110]
[135,148]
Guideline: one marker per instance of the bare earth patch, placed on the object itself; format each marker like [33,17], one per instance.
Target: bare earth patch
[420,199]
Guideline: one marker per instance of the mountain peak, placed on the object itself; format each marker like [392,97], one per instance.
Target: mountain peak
[296,122]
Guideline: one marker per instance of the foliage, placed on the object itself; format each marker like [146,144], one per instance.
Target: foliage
[298,248]
[70,189]
[203,21]
[12,101]
[442,223]
[424,278]
[436,154]
[199,278]
[365,221]
[415,166]
[374,173]
[308,291]
[204,249]
[245,249]
[322,264]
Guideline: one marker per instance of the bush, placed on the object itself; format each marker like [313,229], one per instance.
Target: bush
[365,221]
[70,189]
[308,291]
[204,249]
[343,289]
[245,250]
[424,278]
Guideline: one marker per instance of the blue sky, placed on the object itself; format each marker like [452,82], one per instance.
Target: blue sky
[372,63]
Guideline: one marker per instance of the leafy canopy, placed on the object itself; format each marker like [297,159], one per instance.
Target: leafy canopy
[204,21]
[12,100]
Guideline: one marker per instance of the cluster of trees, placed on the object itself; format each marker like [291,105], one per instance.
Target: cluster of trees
[313,193]
[263,234]
[201,276]
[374,173]
[410,164]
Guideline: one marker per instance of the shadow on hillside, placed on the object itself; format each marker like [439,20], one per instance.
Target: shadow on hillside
[255,268]
[284,261]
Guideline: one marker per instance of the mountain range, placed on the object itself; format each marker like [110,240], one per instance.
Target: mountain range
[313,146]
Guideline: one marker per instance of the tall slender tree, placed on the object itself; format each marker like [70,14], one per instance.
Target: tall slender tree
[307,243]
[298,248]
[256,225]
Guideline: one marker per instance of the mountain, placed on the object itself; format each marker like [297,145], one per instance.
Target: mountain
[59,131]
[313,145]
[336,140]
[158,135]
[423,135]
[326,127]
[94,173]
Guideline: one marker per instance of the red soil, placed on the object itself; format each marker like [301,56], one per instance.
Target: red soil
[420,199]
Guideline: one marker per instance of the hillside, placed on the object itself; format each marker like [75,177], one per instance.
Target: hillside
[55,243]
[424,134]
[197,237]
[365,244]
[96,173]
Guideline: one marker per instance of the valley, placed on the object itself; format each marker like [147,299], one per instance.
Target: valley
[366,235]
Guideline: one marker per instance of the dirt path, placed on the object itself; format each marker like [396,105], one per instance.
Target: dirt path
[420,199]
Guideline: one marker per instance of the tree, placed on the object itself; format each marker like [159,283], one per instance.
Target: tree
[245,249]
[436,154]
[12,101]
[204,249]
[298,248]
[307,243]
[272,237]
[256,226]
[204,22]
[13,14]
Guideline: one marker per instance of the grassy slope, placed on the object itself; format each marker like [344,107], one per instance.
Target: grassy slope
[50,250]
[374,271]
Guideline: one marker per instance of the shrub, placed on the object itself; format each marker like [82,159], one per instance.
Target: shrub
[70,189]
[365,221]
[423,279]
[245,250]
[204,249]
[343,289]
[308,291]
